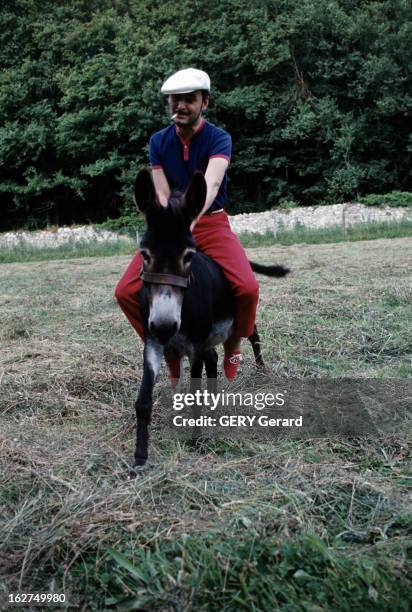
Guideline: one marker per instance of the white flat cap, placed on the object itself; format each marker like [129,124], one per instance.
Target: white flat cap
[185,81]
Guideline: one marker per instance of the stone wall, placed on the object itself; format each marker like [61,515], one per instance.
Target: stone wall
[61,236]
[314,217]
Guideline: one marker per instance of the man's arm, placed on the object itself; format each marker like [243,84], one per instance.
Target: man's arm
[215,172]
[161,186]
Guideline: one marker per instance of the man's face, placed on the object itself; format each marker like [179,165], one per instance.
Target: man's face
[188,107]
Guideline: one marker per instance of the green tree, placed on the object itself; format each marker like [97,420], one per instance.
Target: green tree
[316,96]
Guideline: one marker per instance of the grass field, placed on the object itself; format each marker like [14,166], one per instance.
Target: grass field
[300,235]
[316,524]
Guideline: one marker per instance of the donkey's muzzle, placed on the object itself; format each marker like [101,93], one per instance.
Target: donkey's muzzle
[163,332]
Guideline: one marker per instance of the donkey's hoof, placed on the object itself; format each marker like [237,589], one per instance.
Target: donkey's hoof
[138,463]
[136,469]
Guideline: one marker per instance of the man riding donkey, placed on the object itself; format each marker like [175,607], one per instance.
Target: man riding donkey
[176,152]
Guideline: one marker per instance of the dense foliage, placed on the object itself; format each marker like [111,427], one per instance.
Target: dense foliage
[316,95]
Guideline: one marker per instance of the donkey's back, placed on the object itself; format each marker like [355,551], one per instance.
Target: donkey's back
[208,306]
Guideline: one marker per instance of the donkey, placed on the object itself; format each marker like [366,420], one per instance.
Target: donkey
[186,304]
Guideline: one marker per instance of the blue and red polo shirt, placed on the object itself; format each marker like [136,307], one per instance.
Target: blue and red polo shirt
[179,159]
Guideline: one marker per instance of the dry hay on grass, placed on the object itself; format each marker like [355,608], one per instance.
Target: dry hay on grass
[70,370]
[68,493]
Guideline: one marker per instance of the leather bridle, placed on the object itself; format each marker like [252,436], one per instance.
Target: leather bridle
[165,279]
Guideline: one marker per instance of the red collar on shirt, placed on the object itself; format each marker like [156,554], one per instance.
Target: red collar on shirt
[186,142]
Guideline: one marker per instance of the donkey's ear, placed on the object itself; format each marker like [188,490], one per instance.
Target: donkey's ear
[195,196]
[144,191]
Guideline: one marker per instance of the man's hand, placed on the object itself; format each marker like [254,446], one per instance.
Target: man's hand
[161,186]
[214,174]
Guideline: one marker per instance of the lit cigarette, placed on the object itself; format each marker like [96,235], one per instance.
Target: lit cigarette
[174,116]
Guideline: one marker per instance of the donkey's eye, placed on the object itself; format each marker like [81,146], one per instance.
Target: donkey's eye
[188,256]
[146,255]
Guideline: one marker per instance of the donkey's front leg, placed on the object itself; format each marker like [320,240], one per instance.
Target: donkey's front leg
[152,357]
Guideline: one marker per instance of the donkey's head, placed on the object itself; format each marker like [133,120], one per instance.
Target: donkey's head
[167,248]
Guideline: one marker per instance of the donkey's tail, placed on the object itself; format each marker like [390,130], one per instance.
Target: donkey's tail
[269,270]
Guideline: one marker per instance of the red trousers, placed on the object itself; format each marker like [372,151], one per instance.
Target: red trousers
[215,238]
